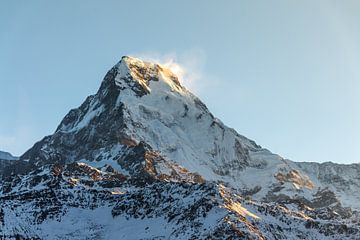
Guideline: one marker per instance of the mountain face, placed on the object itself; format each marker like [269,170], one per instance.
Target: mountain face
[144,158]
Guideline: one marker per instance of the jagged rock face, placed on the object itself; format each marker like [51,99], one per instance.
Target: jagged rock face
[144,150]
[76,201]
[342,179]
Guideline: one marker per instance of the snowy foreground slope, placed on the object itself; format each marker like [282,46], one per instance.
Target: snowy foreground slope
[144,158]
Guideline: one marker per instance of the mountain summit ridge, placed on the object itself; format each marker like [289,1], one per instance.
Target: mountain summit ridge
[143,72]
[143,131]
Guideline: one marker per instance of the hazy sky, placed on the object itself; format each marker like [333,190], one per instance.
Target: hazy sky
[284,73]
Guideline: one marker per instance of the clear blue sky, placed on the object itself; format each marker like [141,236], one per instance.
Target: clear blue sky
[284,73]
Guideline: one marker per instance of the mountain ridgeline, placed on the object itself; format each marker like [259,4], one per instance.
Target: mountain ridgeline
[144,158]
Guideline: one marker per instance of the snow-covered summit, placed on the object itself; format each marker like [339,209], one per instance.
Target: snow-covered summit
[143,73]
[144,102]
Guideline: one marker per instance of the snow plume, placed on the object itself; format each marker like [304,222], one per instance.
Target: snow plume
[188,66]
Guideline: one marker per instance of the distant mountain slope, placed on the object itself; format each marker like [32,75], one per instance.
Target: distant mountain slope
[148,155]
[7,156]
[6,159]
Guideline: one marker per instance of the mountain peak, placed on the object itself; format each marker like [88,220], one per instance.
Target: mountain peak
[144,73]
